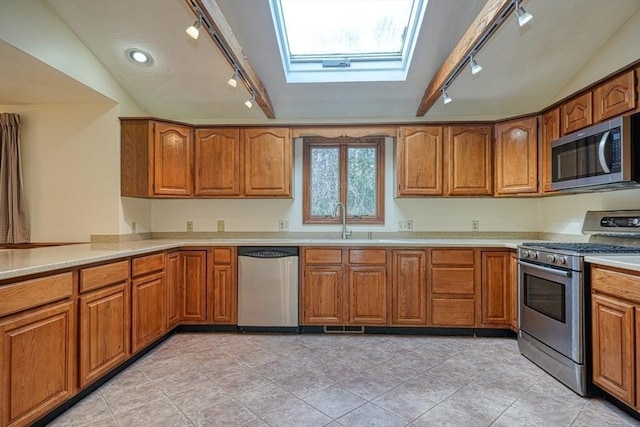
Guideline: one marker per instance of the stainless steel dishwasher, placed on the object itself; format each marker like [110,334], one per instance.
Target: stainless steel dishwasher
[267,287]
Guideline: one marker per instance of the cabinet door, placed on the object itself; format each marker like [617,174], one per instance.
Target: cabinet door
[614,97]
[367,295]
[172,160]
[550,132]
[419,161]
[267,162]
[514,291]
[172,281]
[322,295]
[105,331]
[38,362]
[223,298]
[637,339]
[496,288]
[193,286]
[613,347]
[217,162]
[517,157]
[576,114]
[409,288]
[148,315]
[469,160]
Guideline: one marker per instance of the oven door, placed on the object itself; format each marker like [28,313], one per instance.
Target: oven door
[550,308]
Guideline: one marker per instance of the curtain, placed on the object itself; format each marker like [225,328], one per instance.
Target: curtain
[14,223]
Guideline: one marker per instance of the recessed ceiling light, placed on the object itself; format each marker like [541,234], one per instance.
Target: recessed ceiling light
[139,56]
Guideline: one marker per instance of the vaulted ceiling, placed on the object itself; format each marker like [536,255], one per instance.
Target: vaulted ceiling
[524,68]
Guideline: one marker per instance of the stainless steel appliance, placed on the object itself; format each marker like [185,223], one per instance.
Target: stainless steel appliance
[554,294]
[267,287]
[603,156]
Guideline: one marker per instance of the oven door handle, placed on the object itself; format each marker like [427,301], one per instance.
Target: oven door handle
[601,158]
[547,269]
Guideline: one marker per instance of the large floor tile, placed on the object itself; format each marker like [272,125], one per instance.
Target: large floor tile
[371,415]
[335,401]
[266,398]
[296,414]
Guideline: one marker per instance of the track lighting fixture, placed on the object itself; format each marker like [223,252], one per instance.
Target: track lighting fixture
[523,15]
[233,81]
[445,98]
[475,67]
[249,102]
[194,30]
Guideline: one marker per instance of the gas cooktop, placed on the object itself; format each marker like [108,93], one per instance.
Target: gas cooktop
[582,248]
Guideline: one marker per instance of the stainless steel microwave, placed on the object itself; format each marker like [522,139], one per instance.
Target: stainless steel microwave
[600,157]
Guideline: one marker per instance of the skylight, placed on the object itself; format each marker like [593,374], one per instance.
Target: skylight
[346,40]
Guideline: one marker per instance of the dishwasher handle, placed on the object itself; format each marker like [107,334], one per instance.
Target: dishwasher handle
[268,252]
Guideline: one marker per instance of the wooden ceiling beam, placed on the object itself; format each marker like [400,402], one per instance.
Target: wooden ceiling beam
[226,40]
[489,14]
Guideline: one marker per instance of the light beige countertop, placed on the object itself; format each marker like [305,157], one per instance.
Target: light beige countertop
[627,262]
[23,262]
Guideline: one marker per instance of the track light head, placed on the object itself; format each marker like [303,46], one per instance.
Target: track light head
[475,67]
[233,81]
[523,15]
[249,102]
[445,98]
[194,30]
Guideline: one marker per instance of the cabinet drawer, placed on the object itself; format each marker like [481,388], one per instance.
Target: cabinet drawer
[615,282]
[148,264]
[32,293]
[103,275]
[222,255]
[453,281]
[452,257]
[323,256]
[367,256]
[453,312]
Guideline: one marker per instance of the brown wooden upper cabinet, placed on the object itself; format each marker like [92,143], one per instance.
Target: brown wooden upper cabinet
[469,161]
[419,161]
[576,114]
[614,97]
[155,159]
[267,162]
[217,162]
[516,153]
[550,128]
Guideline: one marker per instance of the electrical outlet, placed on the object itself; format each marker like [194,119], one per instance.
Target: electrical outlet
[189,226]
[220,225]
[406,225]
[133,227]
[475,225]
[283,225]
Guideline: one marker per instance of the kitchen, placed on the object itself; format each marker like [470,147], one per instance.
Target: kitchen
[66,139]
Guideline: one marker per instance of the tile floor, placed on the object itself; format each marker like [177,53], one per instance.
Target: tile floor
[336,380]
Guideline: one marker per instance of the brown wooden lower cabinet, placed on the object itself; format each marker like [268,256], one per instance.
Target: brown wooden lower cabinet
[172,282]
[148,315]
[38,350]
[496,288]
[223,297]
[367,295]
[514,291]
[615,320]
[322,295]
[105,330]
[193,286]
[453,288]
[409,287]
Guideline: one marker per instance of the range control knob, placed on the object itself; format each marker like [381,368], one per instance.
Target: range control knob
[524,253]
[533,255]
[562,260]
[635,221]
[551,258]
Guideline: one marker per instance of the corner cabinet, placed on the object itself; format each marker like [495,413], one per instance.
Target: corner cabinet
[469,160]
[156,159]
[419,161]
[268,158]
[516,155]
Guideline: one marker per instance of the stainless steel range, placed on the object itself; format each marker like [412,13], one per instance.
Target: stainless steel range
[554,294]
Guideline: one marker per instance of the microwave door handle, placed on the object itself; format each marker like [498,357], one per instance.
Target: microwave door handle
[601,159]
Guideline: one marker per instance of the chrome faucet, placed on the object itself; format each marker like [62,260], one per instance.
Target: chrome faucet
[340,206]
